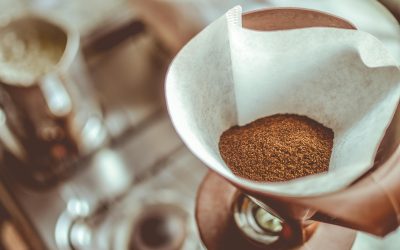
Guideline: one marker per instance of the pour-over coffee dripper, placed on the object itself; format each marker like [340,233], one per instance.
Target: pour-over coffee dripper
[238,217]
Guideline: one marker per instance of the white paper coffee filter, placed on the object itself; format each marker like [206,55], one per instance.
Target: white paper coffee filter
[229,75]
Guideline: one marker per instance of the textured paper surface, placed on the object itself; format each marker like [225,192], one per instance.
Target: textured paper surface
[229,75]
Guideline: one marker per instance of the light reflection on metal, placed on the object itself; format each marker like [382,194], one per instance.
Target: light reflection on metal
[256,223]
[9,140]
[56,96]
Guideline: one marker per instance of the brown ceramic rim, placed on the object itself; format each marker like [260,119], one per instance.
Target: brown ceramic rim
[335,20]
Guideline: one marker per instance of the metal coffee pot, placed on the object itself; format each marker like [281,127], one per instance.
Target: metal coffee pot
[48,114]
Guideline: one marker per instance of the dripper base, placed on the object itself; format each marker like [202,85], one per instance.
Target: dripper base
[215,208]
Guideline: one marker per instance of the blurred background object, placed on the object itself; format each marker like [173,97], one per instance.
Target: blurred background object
[136,188]
[123,193]
[49,109]
[176,21]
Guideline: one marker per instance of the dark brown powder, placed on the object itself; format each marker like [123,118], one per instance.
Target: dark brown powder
[277,148]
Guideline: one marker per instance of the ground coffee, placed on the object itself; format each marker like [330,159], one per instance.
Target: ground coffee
[277,148]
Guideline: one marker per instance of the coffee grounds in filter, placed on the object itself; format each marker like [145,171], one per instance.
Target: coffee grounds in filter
[277,148]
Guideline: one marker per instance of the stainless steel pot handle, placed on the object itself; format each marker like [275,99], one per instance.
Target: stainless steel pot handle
[9,140]
[56,96]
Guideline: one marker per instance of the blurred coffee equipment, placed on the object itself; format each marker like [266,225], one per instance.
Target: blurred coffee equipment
[89,158]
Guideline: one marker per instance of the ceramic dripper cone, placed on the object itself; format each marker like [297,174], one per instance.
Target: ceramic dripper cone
[228,75]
